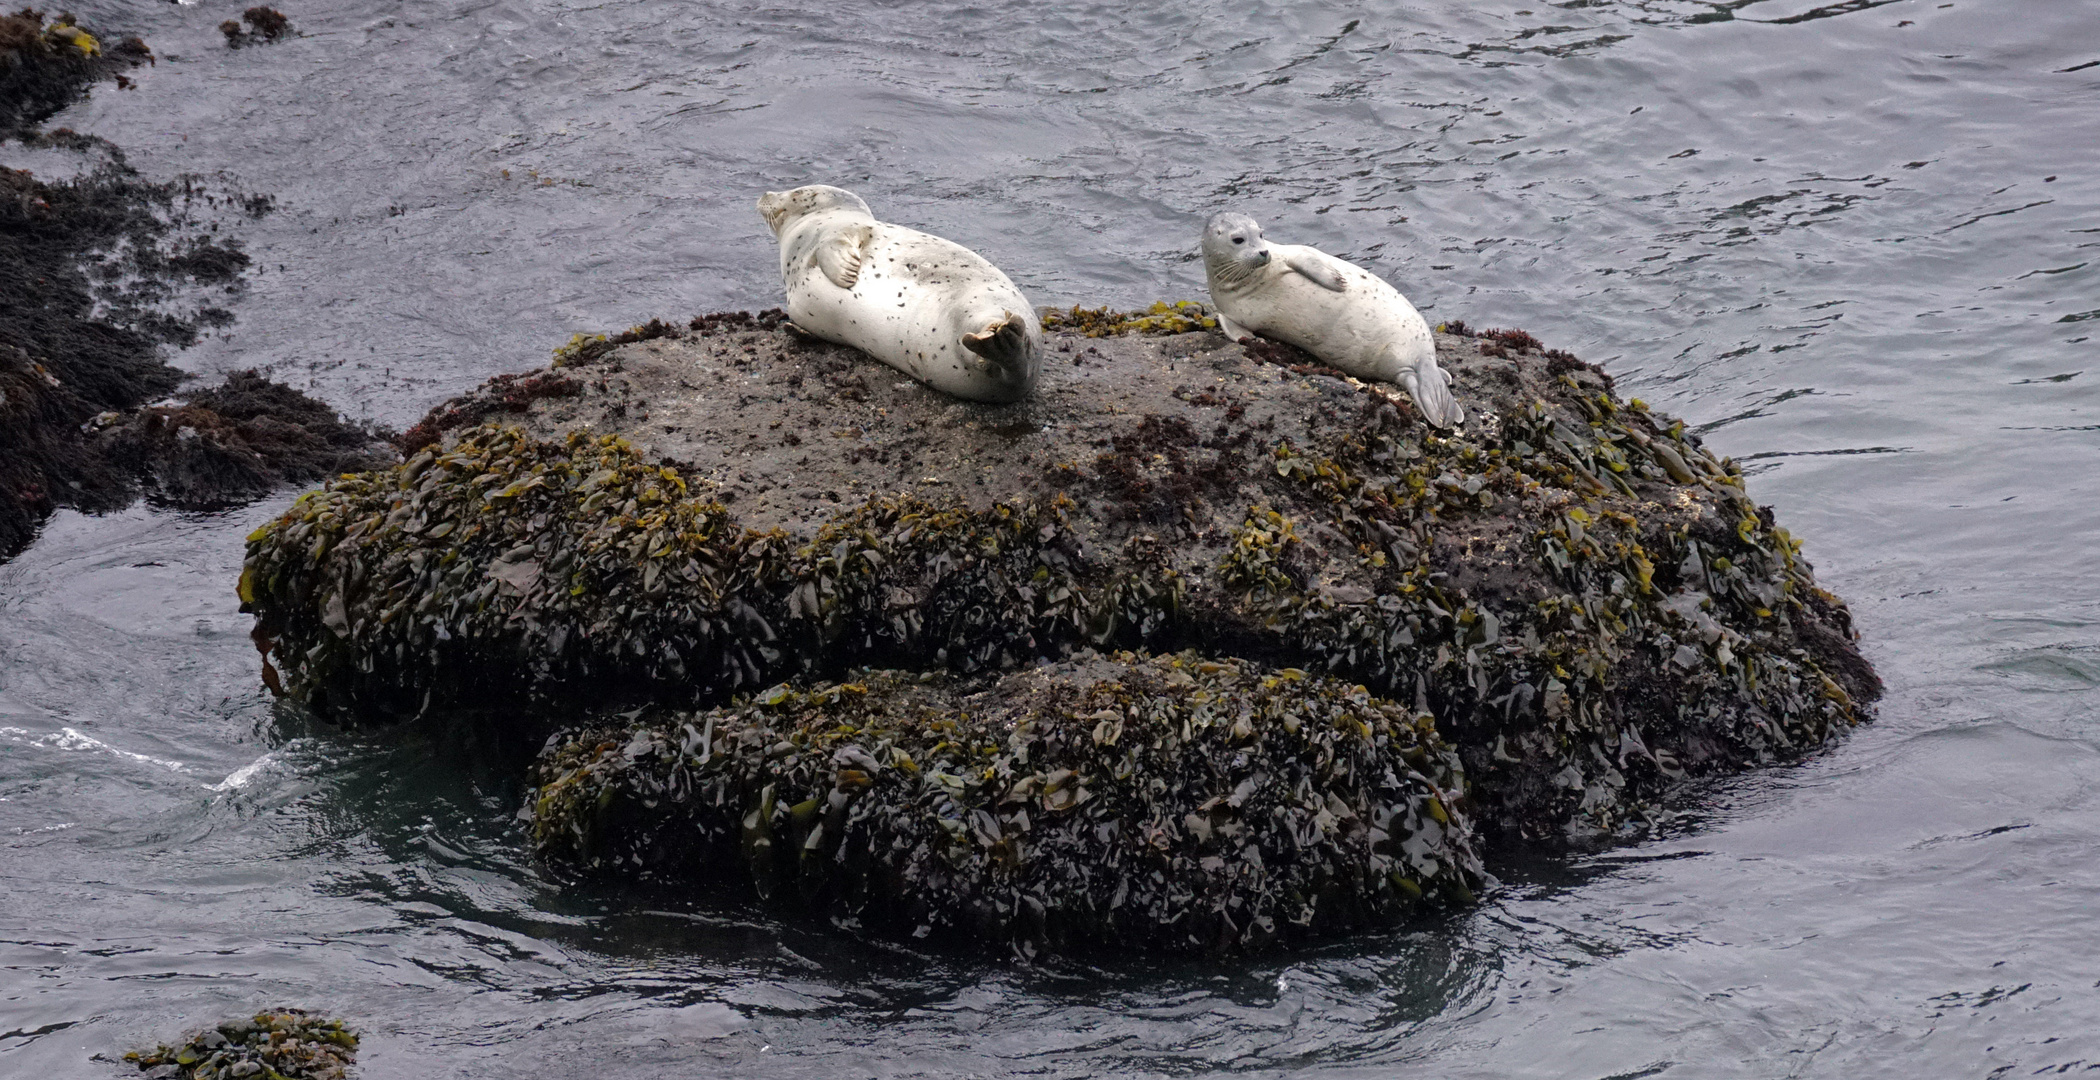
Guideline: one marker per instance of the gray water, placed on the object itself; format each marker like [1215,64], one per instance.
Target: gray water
[1857,244]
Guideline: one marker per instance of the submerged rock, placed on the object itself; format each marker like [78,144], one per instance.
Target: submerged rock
[289,1043]
[1586,599]
[1172,803]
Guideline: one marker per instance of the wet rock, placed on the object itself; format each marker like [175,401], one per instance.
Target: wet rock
[1585,598]
[289,1043]
[235,442]
[46,66]
[1173,803]
[94,274]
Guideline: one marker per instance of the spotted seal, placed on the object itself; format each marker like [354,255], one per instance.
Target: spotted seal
[928,307]
[1339,312]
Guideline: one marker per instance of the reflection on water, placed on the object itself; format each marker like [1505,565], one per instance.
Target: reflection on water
[1854,243]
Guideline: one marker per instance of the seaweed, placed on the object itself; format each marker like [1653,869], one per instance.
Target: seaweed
[1180,317]
[265,24]
[500,567]
[90,270]
[44,68]
[1171,803]
[235,442]
[289,1043]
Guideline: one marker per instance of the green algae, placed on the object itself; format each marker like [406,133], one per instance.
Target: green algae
[1174,803]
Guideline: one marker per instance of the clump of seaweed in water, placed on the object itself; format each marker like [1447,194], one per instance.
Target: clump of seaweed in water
[280,1044]
[1174,803]
[264,24]
[235,442]
[92,269]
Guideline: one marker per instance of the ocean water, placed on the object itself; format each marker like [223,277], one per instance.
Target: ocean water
[1856,243]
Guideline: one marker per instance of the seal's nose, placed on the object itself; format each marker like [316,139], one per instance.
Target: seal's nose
[1261,258]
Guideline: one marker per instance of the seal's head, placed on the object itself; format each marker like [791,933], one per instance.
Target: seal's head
[1233,247]
[780,208]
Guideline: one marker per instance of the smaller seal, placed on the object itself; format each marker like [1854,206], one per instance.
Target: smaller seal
[930,308]
[1339,312]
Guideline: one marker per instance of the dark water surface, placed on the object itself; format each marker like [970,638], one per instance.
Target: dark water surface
[1859,244]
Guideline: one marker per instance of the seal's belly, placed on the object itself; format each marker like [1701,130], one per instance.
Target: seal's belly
[1364,331]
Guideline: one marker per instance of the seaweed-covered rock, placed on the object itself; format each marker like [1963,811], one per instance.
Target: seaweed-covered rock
[95,273]
[45,67]
[1586,598]
[235,442]
[289,1043]
[265,24]
[1173,803]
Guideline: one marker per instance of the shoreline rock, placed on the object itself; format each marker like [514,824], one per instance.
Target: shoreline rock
[1584,598]
[92,269]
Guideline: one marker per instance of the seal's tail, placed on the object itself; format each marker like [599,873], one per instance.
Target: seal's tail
[1004,341]
[1430,386]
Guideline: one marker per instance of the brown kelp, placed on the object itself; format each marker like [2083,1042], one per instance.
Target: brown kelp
[1175,803]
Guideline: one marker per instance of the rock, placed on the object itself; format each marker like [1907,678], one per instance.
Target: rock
[89,268]
[1586,601]
[44,68]
[277,1042]
[1172,803]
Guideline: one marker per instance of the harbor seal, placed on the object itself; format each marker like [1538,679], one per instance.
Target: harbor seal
[930,308]
[1341,313]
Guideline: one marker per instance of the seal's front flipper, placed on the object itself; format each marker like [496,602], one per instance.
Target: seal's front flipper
[1005,341]
[1318,272]
[839,255]
[1233,331]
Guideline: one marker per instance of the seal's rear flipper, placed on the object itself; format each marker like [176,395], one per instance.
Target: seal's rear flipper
[1430,386]
[839,255]
[1005,341]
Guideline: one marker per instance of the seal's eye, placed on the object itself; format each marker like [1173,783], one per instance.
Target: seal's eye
[1239,239]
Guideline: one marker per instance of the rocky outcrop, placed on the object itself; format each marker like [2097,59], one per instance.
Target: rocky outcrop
[1585,600]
